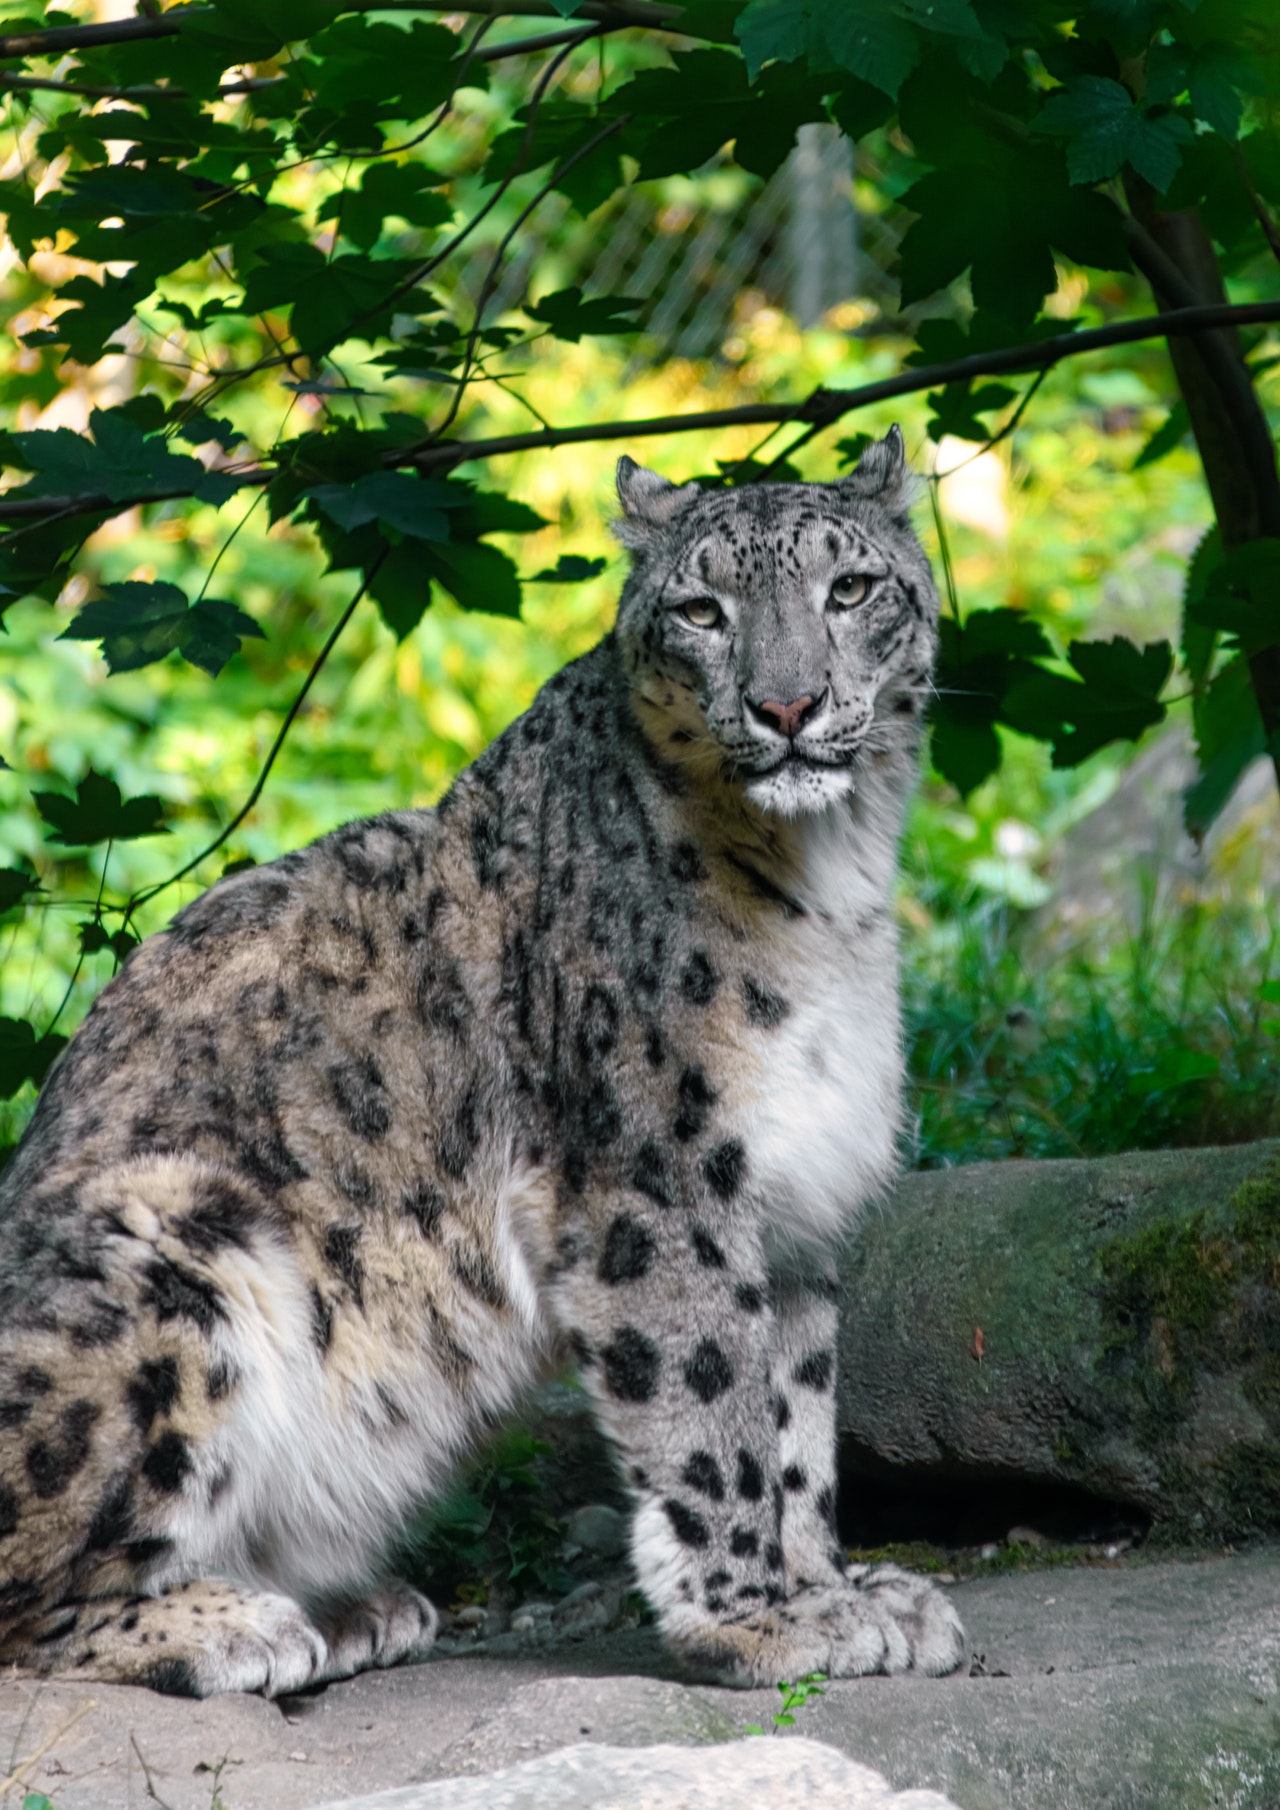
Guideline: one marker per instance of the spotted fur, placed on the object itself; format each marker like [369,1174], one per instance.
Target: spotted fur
[601,1056]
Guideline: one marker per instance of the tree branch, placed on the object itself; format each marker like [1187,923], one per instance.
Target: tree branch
[615,14]
[822,408]
[254,84]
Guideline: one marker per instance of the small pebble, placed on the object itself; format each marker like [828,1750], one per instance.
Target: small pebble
[1026,1536]
[473,1616]
[582,1594]
[598,1528]
[990,1551]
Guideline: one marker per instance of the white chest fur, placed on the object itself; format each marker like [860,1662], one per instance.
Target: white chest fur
[822,1131]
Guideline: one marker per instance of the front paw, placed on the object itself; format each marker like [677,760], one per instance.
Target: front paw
[881,1620]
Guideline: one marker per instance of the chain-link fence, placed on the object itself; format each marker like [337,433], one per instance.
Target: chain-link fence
[688,250]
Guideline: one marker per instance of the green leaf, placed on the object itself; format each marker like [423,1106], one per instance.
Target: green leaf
[403,190]
[874,40]
[94,937]
[965,748]
[17,885]
[118,461]
[103,308]
[98,813]
[774,28]
[199,429]
[570,568]
[404,503]
[1120,701]
[1217,75]
[1115,697]
[1173,1068]
[987,635]
[850,450]
[341,298]
[139,623]
[1241,596]
[682,116]
[571,318]
[476,577]
[980,663]
[401,588]
[1229,738]
[1105,128]
[364,63]
[24,1056]
[1171,432]
[489,512]
[564,128]
[957,407]
[1003,220]
[1199,642]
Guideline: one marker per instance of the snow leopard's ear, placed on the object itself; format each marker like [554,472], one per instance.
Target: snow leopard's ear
[882,473]
[649,502]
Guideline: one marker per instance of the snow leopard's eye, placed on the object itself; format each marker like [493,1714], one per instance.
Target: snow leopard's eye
[848,589]
[702,612]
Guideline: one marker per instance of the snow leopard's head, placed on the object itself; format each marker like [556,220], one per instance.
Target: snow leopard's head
[785,630]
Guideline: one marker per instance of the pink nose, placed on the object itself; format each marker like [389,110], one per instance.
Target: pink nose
[787,718]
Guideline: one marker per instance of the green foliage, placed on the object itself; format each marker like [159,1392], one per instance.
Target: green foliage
[1161,1039]
[494,1528]
[794,1696]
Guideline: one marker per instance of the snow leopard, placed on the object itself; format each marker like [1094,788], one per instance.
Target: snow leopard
[596,1062]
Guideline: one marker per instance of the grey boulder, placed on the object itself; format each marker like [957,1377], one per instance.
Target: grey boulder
[795,1774]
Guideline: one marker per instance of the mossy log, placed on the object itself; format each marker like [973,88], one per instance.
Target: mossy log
[1111,1325]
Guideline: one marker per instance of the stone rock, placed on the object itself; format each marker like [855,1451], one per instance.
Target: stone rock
[1130,1333]
[795,1774]
[599,1529]
[621,1712]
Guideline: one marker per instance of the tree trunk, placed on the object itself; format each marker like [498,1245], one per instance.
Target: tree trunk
[1176,255]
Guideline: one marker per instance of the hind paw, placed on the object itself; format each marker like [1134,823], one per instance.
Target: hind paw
[393,1625]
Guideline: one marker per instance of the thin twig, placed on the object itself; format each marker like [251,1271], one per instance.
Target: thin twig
[944,549]
[1024,403]
[144,897]
[422,271]
[152,1793]
[19,1773]
[491,275]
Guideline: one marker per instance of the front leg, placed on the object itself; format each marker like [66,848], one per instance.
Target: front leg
[669,1314]
[803,1374]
